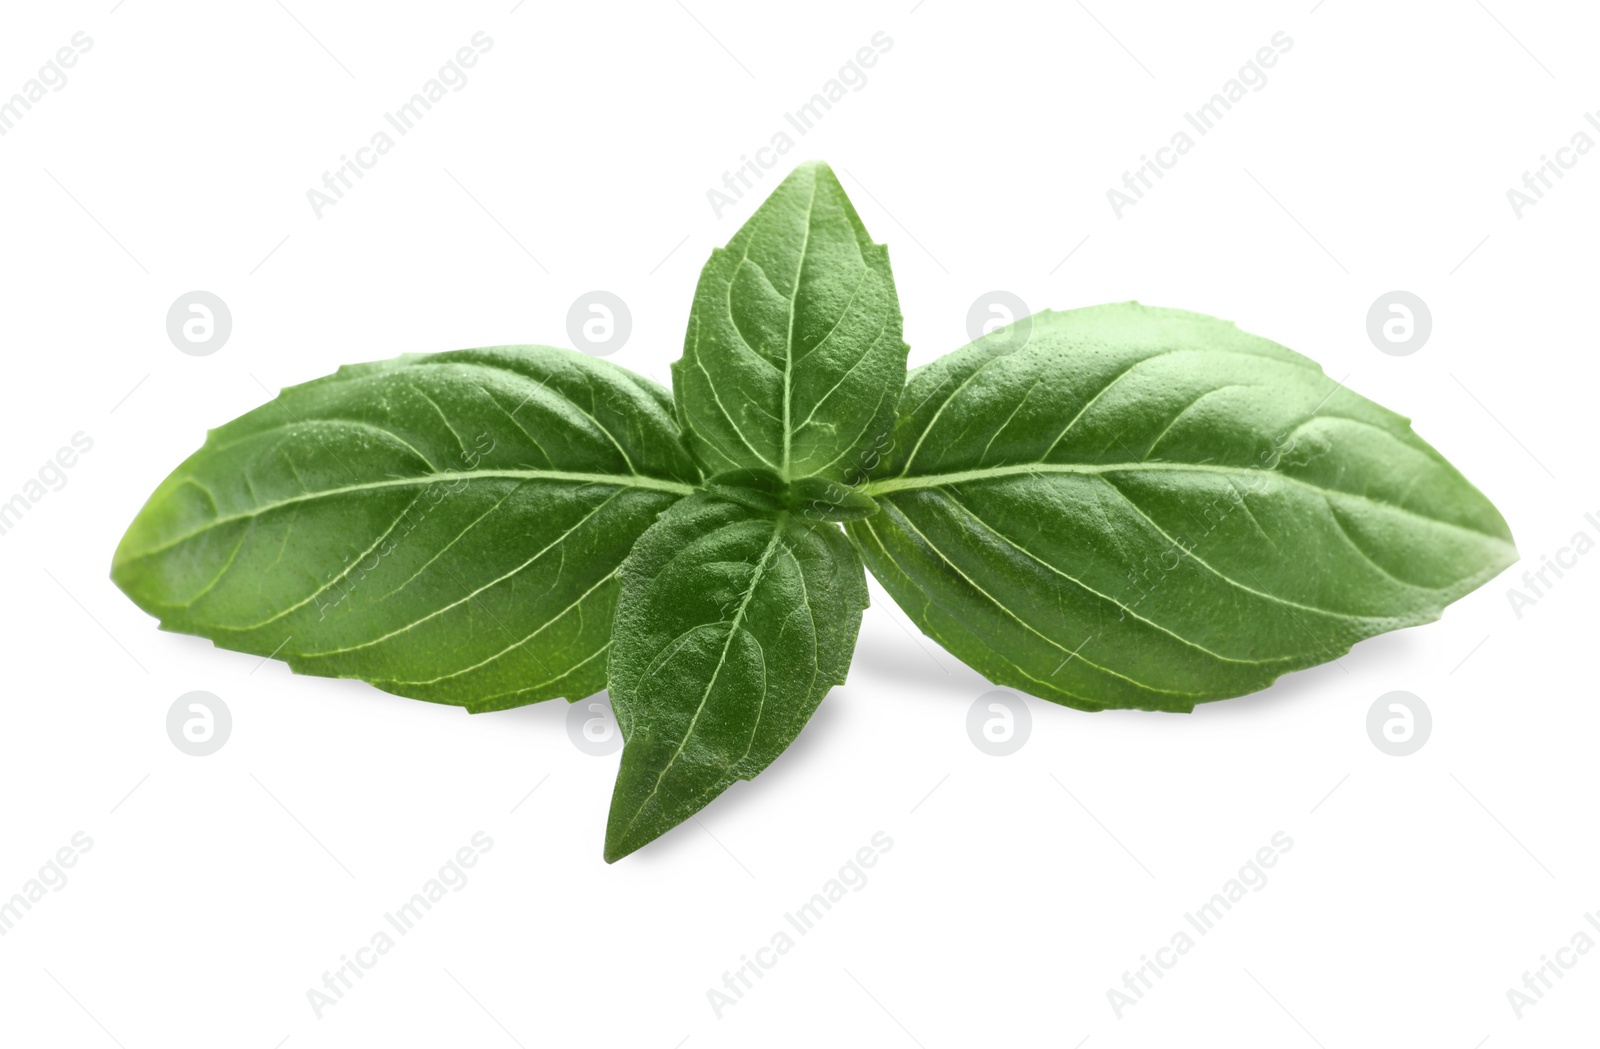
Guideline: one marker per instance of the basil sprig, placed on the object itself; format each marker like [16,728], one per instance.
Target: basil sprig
[1137,507]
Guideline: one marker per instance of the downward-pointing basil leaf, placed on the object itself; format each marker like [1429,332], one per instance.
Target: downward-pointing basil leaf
[447,527]
[1150,508]
[793,358]
[732,625]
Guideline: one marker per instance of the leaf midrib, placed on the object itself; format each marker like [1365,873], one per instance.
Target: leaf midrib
[779,523]
[788,342]
[440,477]
[889,485]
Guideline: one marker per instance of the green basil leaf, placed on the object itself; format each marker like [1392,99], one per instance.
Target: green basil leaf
[731,627]
[793,358]
[814,498]
[1150,508]
[818,499]
[754,489]
[448,526]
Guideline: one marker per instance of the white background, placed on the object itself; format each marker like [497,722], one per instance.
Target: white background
[1378,156]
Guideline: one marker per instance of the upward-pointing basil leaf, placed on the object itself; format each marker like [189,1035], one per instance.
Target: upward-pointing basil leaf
[732,625]
[447,526]
[793,359]
[1150,508]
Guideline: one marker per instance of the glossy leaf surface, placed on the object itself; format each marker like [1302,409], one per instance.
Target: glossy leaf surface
[446,526]
[1150,508]
[793,358]
[732,625]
